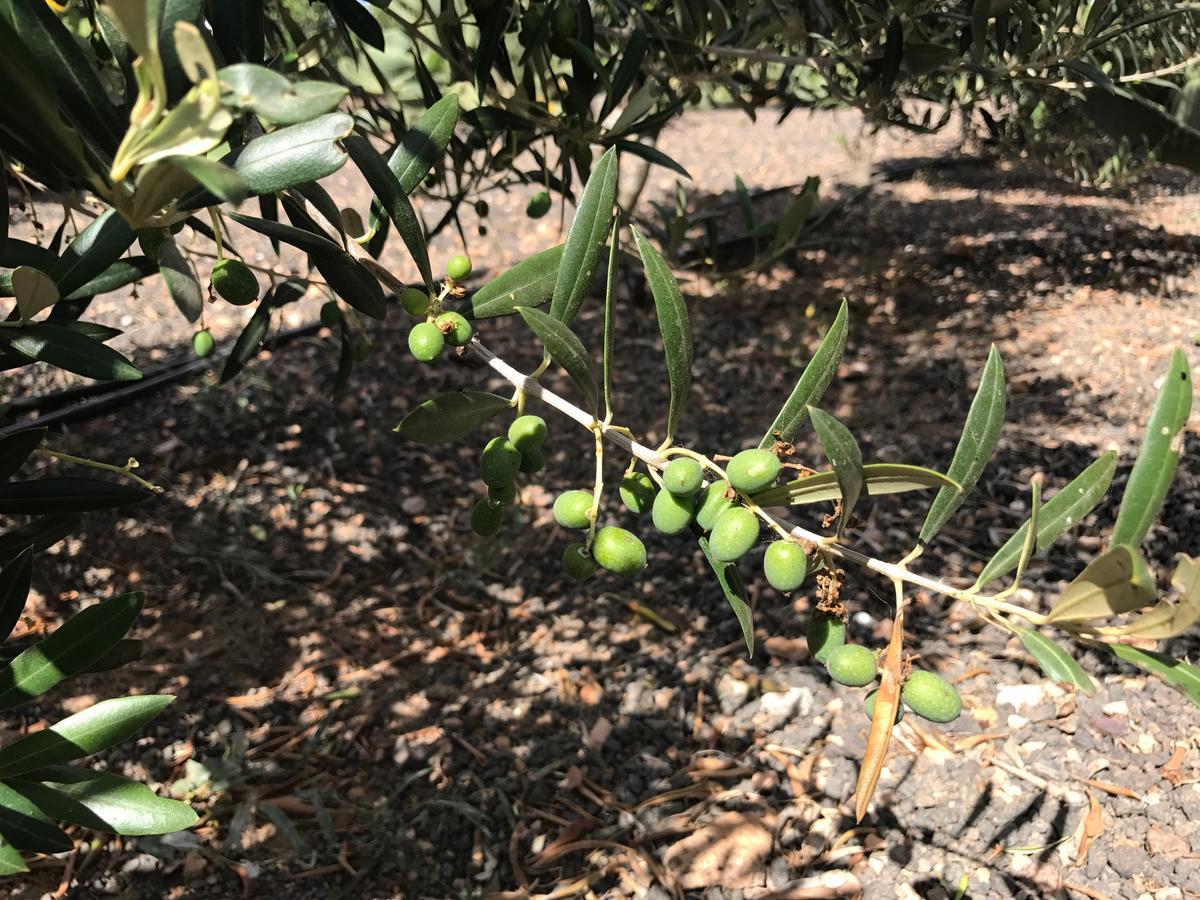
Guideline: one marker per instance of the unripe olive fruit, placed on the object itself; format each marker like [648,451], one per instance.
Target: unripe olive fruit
[713,501]
[852,665]
[331,314]
[735,532]
[486,519]
[202,343]
[528,432]
[151,240]
[455,327]
[426,341]
[502,494]
[499,462]
[482,208]
[785,565]
[753,470]
[682,475]
[637,492]
[618,550]
[562,21]
[532,460]
[415,302]
[672,514]
[931,697]
[459,267]
[571,509]
[869,706]
[539,204]
[577,563]
[233,281]
[825,634]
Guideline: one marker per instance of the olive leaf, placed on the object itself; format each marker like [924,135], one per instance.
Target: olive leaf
[734,589]
[841,448]
[567,350]
[94,249]
[68,349]
[448,417]
[34,291]
[812,383]
[1174,672]
[581,252]
[1117,581]
[528,283]
[878,479]
[1158,456]
[1054,661]
[980,432]
[182,284]
[293,155]
[423,144]
[274,97]
[673,325]
[1168,618]
[104,802]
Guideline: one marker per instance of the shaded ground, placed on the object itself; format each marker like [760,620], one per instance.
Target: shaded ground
[375,703]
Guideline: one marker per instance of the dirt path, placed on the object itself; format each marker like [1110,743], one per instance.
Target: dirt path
[374,703]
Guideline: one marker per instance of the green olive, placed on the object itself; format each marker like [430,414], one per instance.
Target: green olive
[426,341]
[931,697]
[456,329]
[528,432]
[577,563]
[234,281]
[735,532]
[486,519]
[532,460]
[331,314]
[415,302]
[852,665]
[753,470]
[573,509]
[825,634]
[151,241]
[785,565]
[202,343]
[539,204]
[869,706]
[714,500]
[502,494]
[499,462]
[459,267]
[672,514]
[619,551]
[682,475]
[637,492]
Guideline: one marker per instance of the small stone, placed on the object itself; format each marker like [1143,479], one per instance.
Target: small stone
[732,693]
[1127,860]
[1167,844]
[1020,696]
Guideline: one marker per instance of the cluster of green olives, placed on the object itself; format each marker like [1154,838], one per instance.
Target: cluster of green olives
[429,338]
[615,549]
[502,459]
[928,695]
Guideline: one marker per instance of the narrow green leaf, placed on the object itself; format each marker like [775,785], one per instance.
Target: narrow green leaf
[293,155]
[392,198]
[66,494]
[982,428]
[1174,672]
[308,241]
[448,417]
[1063,511]
[423,144]
[77,644]
[26,827]
[651,154]
[181,281]
[734,589]
[42,532]
[1054,661]
[15,581]
[97,728]
[215,177]
[245,348]
[673,325]
[581,252]
[120,274]
[1156,461]
[878,479]
[1117,581]
[528,283]
[67,349]
[272,96]
[812,384]
[841,448]
[1030,543]
[94,249]
[11,862]
[566,350]
[16,448]
[610,301]
[104,802]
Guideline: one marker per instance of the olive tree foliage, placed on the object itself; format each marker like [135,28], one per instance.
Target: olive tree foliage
[162,123]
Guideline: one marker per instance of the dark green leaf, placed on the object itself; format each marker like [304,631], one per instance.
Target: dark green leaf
[246,346]
[1117,581]
[274,97]
[982,428]
[16,448]
[734,589]
[93,251]
[652,155]
[66,349]
[67,494]
[11,862]
[181,282]
[97,728]
[103,802]
[673,325]
[314,244]
[424,143]
[1063,511]
[893,54]
[582,250]
[627,71]
[1158,456]
[72,648]
[448,417]
[122,653]
[15,581]
[392,198]
[1054,661]
[812,384]
[293,155]
[217,178]
[841,448]
[1174,672]
[42,532]
[878,479]
[528,283]
[120,274]
[26,827]
[566,350]
[359,20]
